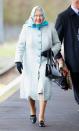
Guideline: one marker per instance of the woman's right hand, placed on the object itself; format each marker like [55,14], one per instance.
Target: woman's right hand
[19,67]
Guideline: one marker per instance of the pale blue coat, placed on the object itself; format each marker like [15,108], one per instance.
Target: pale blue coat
[30,45]
[28,51]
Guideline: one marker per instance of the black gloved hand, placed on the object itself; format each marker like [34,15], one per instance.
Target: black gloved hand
[44,53]
[19,67]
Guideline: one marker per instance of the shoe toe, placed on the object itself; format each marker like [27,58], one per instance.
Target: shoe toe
[33,118]
[41,124]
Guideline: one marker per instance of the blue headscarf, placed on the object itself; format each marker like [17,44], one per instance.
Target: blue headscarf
[30,21]
[44,23]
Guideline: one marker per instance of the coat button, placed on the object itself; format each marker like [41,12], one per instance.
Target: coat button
[39,42]
[39,49]
[39,55]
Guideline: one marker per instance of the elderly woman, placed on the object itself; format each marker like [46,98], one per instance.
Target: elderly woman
[37,36]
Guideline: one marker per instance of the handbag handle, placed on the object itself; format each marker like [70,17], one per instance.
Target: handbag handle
[50,58]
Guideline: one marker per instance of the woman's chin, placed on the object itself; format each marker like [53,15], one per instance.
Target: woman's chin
[38,23]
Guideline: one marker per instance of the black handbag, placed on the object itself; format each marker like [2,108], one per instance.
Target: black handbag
[52,71]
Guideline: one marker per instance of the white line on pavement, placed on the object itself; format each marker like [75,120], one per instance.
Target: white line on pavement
[10,85]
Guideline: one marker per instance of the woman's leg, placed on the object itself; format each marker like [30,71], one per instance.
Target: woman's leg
[32,110]
[42,107]
[32,106]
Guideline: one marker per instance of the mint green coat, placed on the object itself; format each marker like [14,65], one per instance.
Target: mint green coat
[28,51]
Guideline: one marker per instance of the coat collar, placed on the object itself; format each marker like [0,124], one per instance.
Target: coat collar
[71,11]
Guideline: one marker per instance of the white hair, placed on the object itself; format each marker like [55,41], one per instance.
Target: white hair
[37,8]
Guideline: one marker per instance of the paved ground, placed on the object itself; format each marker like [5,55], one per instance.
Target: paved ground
[61,113]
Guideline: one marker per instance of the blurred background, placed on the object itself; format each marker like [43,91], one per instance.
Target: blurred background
[13,14]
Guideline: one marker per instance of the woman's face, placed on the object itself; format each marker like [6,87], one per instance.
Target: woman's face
[38,17]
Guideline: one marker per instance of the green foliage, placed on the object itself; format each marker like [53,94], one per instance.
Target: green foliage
[7,50]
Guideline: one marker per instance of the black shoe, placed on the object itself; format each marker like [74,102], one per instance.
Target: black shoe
[41,124]
[33,118]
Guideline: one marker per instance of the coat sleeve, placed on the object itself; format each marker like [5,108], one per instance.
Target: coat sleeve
[56,44]
[60,27]
[60,31]
[20,48]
